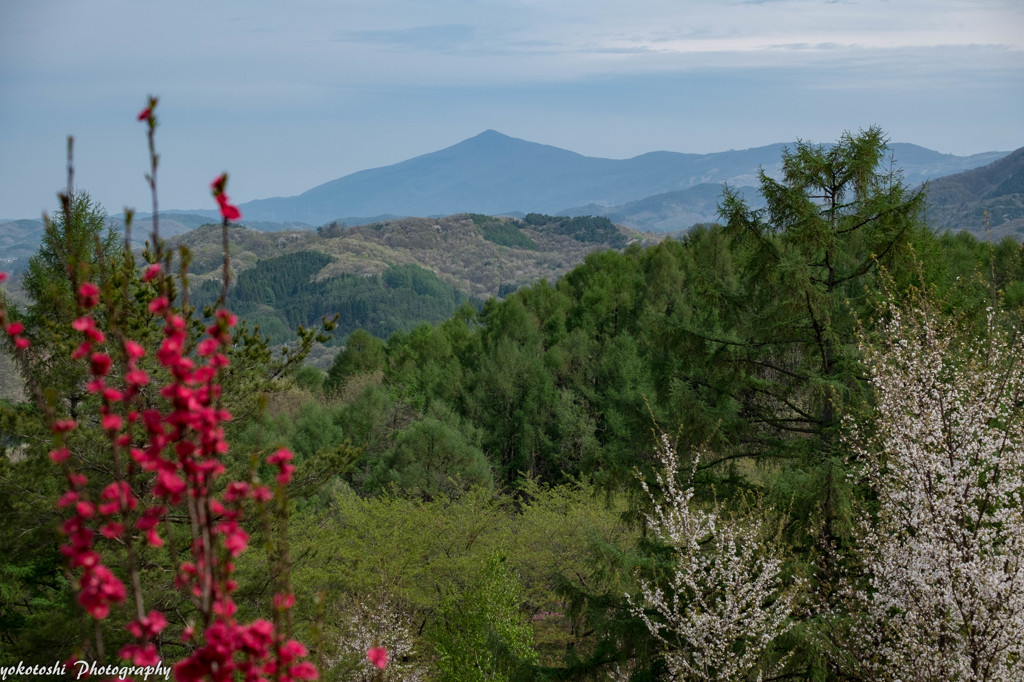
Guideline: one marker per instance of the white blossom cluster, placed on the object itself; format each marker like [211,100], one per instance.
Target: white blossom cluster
[724,602]
[943,597]
[367,626]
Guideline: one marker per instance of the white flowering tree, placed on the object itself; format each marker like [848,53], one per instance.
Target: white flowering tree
[942,596]
[724,602]
[367,627]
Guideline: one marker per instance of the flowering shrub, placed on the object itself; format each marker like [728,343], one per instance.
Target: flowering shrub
[166,443]
[362,654]
[944,455]
[724,603]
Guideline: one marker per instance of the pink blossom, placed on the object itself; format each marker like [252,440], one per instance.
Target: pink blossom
[284,601]
[111,422]
[282,455]
[378,655]
[227,210]
[88,295]
[152,272]
[153,538]
[112,530]
[292,650]
[148,626]
[63,425]
[133,349]
[158,305]
[304,671]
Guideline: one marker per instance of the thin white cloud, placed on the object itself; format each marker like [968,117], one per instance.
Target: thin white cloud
[289,95]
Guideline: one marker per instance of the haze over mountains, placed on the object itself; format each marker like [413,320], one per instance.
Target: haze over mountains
[493,173]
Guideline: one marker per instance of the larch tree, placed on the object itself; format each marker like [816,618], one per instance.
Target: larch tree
[786,356]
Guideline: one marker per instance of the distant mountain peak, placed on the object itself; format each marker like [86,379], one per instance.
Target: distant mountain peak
[493,139]
[492,133]
[487,137]
[497,174]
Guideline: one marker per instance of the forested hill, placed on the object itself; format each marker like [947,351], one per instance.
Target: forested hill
[740,454]
[388,276]
[991,197]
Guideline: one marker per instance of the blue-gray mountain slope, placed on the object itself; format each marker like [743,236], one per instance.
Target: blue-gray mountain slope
[987,198]
[494,174]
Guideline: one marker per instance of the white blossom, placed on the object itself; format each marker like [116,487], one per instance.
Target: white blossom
[943,594]
[381,624]
[724,603]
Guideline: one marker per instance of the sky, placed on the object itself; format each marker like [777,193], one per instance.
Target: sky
[285,96]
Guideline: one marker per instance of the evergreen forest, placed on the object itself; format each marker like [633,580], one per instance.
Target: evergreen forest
[785,446]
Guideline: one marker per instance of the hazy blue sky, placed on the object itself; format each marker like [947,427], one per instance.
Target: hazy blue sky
[287,95]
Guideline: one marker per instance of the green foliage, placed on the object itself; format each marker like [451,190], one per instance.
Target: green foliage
[480,634]
[594,229]
[311,379]
[78,245]
[331,230]
[284,277]
[454,247]
[281,293]
[363,353]
[409,551]
[988,202]
[38,615]
[431,459]
[423,557]
[502,232]
[478,470]
[739,338]
[827,225]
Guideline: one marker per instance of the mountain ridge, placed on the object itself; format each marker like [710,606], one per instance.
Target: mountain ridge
[986,199]
[496,174]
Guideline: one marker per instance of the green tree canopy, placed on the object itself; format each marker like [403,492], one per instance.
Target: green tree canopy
[79,243]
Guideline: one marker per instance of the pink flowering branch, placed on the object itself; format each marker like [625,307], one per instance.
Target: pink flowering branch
[228,212]
[148,116]
[167,458]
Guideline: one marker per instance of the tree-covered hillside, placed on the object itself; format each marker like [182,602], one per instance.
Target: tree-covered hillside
[386,277]
[280,294]
[786,446]
[990,199]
